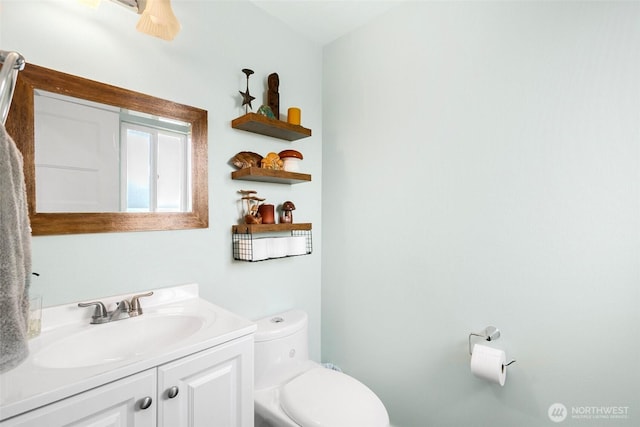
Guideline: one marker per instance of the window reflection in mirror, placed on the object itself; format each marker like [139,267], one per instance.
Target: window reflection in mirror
[92,157]
[156,155]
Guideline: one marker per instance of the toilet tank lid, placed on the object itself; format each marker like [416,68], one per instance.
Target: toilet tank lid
[280,325]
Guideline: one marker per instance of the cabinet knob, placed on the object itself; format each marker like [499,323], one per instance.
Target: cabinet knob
[146,403]
[173,392]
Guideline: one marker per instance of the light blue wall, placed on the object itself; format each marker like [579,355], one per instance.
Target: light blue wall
[201,67]
[482,168]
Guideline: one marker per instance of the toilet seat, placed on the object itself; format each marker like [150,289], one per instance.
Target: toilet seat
[323,397]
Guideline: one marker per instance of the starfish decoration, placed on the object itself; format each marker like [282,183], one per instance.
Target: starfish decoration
[246,96]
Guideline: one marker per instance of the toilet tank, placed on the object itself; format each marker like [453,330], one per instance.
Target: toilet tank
[281,348]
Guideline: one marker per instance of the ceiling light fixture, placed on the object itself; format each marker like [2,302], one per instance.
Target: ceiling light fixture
[157,18]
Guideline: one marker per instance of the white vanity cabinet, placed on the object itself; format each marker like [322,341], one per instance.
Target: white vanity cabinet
[184,363]
[116,404]
[213,388]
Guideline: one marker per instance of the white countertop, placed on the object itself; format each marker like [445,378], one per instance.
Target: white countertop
[30,385]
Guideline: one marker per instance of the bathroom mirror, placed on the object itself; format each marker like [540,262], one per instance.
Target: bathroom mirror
[163,125]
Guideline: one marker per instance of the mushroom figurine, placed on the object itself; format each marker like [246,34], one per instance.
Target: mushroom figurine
[287,212]
[291,160]
[252,214]
[272,161]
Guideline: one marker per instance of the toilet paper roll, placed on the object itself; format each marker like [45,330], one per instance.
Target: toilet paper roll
[489,364]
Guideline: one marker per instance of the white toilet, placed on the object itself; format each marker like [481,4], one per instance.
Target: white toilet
[293,391]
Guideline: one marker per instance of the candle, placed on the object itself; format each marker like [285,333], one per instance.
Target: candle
[293,115]
[267,213]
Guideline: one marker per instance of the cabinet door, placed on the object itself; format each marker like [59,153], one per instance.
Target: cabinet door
[116,404]
[214,388]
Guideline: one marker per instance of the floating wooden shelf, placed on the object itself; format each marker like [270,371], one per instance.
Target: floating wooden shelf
[267,228]
[270,175]
[257,123]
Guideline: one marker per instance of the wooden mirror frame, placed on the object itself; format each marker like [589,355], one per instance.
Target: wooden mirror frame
[21,126]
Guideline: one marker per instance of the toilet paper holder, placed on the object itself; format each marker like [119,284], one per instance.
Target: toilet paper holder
[490,333]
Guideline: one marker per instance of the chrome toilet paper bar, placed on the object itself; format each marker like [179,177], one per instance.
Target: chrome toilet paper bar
[490,333]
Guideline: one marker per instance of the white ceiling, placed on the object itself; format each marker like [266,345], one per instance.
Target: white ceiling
[323,21]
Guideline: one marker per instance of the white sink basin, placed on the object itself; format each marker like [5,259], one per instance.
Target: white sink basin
[115,341]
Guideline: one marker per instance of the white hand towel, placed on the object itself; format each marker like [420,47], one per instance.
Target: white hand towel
[15,256]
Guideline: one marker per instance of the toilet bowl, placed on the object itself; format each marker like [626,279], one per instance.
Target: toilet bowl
[293,391]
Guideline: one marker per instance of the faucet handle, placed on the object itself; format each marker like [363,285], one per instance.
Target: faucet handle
[136,308]
[100,315]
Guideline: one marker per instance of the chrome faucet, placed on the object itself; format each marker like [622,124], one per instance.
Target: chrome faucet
[102,315]
[124,309]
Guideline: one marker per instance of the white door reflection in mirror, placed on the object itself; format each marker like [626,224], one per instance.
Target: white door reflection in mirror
[76,155]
